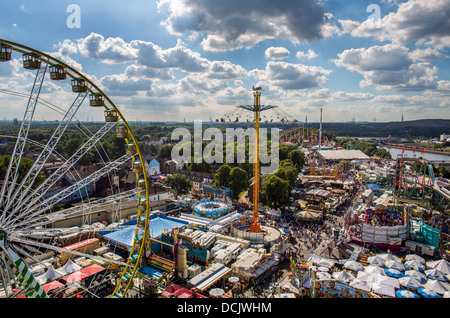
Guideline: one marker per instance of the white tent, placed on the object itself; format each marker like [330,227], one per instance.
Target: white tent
[360,284]
[396,265]
[410,282]
[441,265]
[323,275]
[216,292]
[326,263]
[374,269]
[388,281]
[417,275]
[389,257]
[354,266]
[50,274]
[383,289]
[437,286]
[69,268]
[415,265]
[415,257]
[376,260]
[435,274]
[343,276]
[367,277]
[446,294]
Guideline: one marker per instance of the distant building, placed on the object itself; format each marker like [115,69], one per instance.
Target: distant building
[154,141]
[169,166]
[198,178]
[153,167]
[444,138]
[331,155]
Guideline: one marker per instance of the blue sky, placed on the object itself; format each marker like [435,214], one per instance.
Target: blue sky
[195,59]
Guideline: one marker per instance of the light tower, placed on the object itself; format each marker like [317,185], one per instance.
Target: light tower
[256,108]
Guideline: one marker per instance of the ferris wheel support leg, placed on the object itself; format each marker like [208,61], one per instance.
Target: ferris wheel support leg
[47,151]
[5,273]
[24,277]
[19,147]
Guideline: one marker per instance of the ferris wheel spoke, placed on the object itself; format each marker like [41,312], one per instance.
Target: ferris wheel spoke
[47,151]
[19,147]
[23,252]
[34,212]
[115,199]
[25,242]
[27,199]
[61,171]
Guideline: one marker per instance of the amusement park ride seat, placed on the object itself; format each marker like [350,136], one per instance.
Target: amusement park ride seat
[31,61]
[96,100]
[78,85]
[57,72]
[5,52]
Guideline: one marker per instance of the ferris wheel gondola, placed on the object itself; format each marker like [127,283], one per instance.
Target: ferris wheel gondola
[28,197]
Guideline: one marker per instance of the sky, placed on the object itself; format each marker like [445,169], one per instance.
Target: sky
[175,60]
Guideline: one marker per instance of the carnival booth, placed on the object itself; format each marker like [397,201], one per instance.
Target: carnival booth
[308,216]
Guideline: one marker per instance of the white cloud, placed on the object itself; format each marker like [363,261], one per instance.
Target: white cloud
[110,50]
[119,84]
[277,53]
[225,70]
[291,76]
[389,67]
[427,54]
[424,22]
[180,57]
[309,55]
[233,24]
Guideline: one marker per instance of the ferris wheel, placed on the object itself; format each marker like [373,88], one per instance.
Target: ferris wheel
[58,186]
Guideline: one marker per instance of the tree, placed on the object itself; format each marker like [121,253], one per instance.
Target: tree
[165,151]
[24,166]
[275,191]
[287,172]
[71,146]
[222,177]
[238,181]
[179,183]
[200,167]
[298,159]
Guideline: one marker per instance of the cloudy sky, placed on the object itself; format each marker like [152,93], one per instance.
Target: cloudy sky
[196,59]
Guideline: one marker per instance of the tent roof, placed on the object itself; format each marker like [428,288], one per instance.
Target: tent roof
[441,265]
[69,267]
[74,277]
[52,285]
[343,154]
[154,163]
[343,276]
[92,269]
[436,286]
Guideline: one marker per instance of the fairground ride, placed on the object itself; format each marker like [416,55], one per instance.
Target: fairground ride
[29,236]
[258,113]
[418,185]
